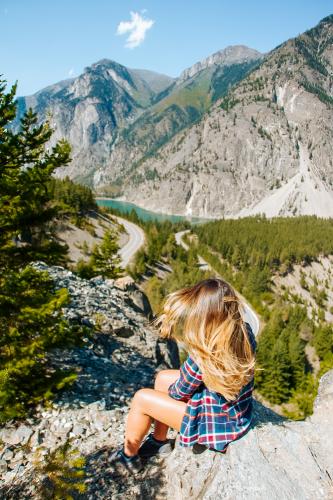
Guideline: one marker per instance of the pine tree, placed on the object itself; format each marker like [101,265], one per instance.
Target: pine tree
[31,322]
[104,258]
[297,357]
[323,340]
[26,166]
[278,385]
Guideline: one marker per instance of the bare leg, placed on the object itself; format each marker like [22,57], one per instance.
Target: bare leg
[163,381]
[149,404]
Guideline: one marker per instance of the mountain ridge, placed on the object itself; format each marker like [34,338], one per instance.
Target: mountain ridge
[229,55]
[222,140]
[272,130]
[96,112]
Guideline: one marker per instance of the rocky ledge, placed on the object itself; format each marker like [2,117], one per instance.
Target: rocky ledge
[278,458]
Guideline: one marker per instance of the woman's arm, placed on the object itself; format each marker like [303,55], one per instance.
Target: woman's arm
[189,380]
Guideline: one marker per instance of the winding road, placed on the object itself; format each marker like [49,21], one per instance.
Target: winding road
[249,314]
[135,241]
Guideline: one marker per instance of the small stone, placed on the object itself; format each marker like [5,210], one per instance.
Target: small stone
[124,331]
[87,322]
[8,455]
[3,465]
[78,430]
[36,439]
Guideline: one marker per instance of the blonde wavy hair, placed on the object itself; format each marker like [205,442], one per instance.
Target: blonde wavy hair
[207,317]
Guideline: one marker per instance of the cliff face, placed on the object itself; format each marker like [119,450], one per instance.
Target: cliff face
[277,458]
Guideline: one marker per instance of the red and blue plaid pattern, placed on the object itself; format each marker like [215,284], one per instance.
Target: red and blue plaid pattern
[210,419]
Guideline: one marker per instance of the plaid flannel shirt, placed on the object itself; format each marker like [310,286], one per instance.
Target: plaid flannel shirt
[210,419]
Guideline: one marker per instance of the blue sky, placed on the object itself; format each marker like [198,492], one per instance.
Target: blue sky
[45,41]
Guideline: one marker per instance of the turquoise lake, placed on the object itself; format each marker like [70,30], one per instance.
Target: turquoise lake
[146,215]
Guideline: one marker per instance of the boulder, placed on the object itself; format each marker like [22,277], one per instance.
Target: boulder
[138,301]
[125,283]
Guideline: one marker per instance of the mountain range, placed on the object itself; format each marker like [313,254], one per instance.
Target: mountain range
[236,134]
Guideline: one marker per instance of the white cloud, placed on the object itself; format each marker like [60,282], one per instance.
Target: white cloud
[137,28]
[71,72]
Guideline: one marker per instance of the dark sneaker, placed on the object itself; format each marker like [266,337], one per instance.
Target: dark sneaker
[120,463]
[151,447]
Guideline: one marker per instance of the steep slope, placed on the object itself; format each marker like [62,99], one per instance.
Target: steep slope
[177,107]
[265,147]
[276,458]
[156,81]
[119,357]
[90,110]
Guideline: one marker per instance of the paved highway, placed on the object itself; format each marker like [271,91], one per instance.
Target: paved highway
[249,315]
[135,241]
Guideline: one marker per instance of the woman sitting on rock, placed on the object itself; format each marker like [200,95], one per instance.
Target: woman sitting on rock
[209,400]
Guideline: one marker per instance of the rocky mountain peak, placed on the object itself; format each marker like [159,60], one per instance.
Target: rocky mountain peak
[232,54]
[110,69]
[104,62]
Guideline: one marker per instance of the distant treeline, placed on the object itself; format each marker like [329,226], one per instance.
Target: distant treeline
[274,243]
[161,247]
[71,198]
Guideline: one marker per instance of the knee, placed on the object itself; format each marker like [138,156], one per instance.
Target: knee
[141,396]
[161,381]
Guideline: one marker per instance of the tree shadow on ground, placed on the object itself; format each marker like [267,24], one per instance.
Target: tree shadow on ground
[101,482]
[112,371]
[104,483]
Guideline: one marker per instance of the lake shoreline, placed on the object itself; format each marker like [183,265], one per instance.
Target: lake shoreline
[146,214]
